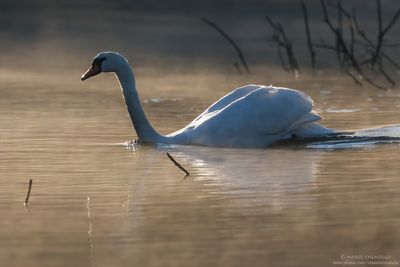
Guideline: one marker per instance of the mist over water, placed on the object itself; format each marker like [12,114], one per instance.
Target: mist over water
[46,33]
[96,202]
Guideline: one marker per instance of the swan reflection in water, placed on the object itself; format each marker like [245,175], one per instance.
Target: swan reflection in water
[246,175]
[271,175]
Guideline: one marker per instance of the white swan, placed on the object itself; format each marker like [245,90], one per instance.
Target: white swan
[252,116]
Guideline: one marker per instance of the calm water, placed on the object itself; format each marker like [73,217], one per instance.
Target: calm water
[95,202]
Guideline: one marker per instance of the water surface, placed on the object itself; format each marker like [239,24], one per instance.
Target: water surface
[96,202]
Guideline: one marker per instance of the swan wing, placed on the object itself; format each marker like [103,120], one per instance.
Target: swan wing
[228,99]
[264,111]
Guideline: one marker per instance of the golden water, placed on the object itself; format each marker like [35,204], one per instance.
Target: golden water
[95,202]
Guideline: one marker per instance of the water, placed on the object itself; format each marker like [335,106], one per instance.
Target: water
[96,202]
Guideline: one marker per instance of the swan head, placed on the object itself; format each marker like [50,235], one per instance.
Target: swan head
[105,62]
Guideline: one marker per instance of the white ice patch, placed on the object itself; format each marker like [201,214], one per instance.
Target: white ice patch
[344,110]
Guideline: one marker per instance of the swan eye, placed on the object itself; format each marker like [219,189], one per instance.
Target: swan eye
[97,61]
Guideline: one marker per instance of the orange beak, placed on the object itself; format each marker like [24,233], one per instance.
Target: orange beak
[94,70]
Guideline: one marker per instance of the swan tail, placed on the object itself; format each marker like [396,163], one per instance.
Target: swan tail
[311,130]
[306,126]
[306,119]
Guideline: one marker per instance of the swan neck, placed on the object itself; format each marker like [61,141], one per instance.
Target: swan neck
[140,122]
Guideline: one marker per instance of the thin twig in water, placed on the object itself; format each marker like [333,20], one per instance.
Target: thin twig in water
[178,165]
[230,40]
[29,193]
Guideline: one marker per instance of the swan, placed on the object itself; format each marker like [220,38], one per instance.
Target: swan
[251,116]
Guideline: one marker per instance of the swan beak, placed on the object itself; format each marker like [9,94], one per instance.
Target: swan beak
[94,70]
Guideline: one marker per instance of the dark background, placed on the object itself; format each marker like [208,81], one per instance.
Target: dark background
[50,33]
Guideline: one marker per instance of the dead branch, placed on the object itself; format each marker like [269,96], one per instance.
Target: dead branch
[382,31]
[178,165]
[380,36]
[371,48]
[370,44]
[384,73]
[230,41]
[237,67]
[349,58]
[282,60]
[341,44]
[307,28]
[339,52]
[351,75]
[353,48]
[280,38]
[394,63]
[28,193]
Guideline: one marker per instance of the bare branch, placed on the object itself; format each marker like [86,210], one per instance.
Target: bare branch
[281,60]
[387,77]
[230,40]
[307,27]
[380,35]
[394,63]
[28,194]
[237,66]
[280,38]
[178,165]
[392,22]
[351,75]
[349,56]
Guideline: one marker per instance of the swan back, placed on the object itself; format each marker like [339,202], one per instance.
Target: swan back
[252,116]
